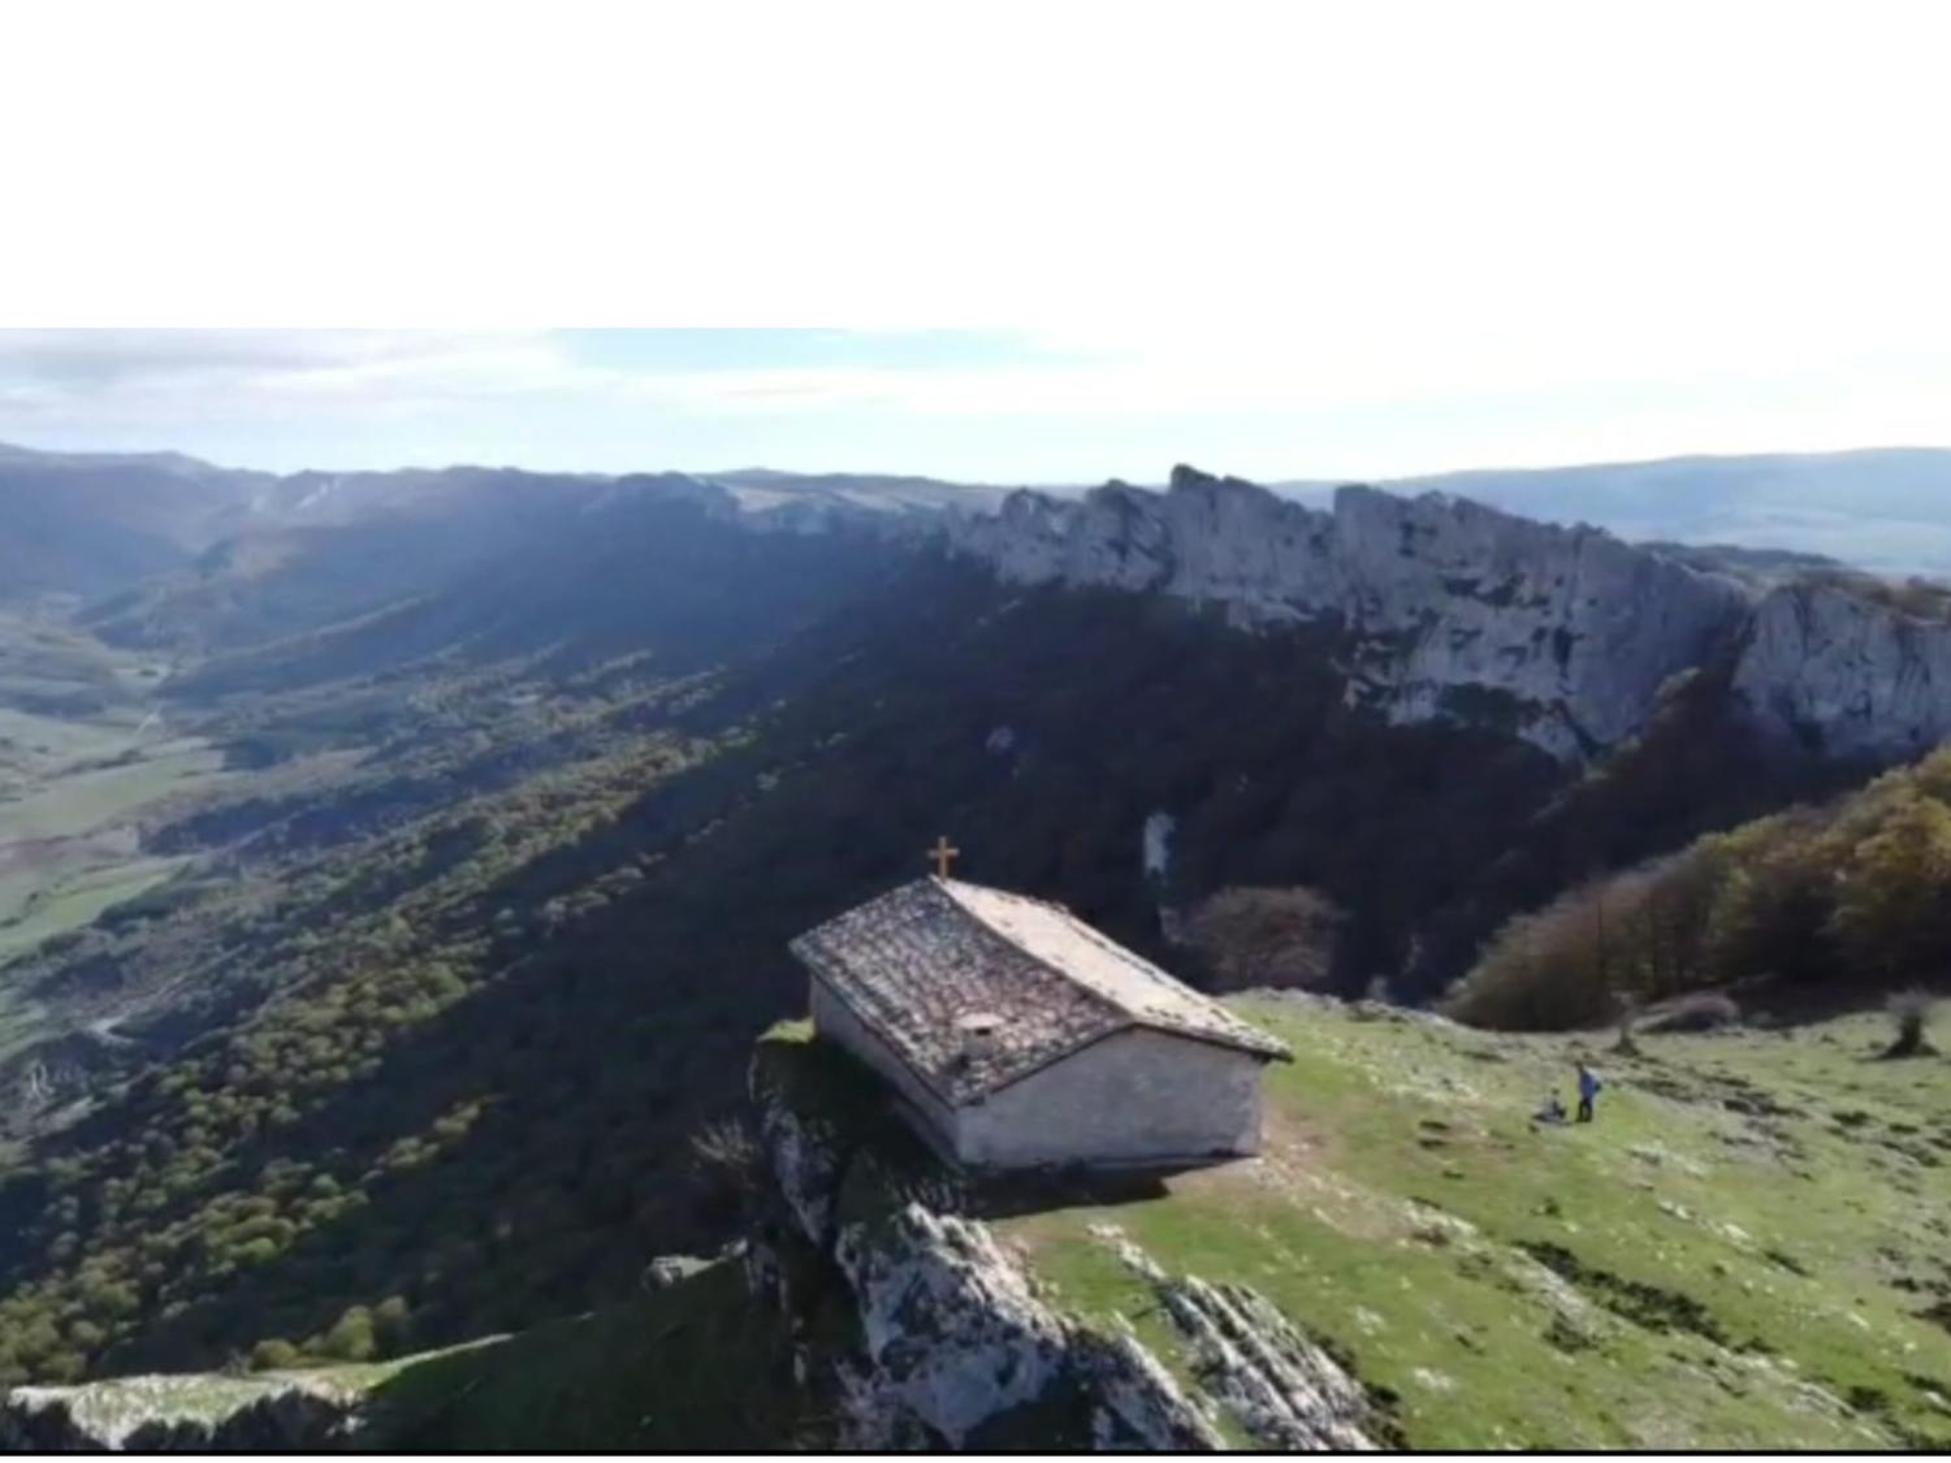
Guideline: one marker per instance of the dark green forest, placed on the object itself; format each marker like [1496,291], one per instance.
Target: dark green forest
[1828,904]
[458,1012]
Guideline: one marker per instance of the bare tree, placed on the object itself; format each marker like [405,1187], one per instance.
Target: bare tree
[1266,937]
[1910,1014]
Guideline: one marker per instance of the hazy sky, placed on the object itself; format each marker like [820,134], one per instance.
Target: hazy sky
[985,405]
[1283,240]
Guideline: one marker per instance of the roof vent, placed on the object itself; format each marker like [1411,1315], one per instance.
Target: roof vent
[978,1031]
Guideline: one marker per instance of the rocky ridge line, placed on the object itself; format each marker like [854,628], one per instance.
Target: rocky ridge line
[1454,609]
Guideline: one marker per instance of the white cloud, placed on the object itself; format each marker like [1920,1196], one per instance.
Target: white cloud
[1250,400]
[164,376]
[1375,236]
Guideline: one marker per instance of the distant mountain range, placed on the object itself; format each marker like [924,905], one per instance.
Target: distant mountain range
[398,865]
[1884,509]
[87,525]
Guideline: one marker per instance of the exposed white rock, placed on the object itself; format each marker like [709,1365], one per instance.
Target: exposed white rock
[956,1337]
[1139,1406]
[668,1270]
[1286,1391]
[802,1154]
[1440,594]
[1862,678]
[953,1332]
[1155,844]
[274,1412]
[1454,609]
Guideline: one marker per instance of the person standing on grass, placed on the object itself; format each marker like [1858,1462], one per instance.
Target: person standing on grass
[1588,1089]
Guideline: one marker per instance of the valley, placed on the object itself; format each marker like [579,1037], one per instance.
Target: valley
[78,777]
[380,929]
[1742,1252]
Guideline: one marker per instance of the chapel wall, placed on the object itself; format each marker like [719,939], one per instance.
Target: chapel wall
[834,1020]
[1138,1096]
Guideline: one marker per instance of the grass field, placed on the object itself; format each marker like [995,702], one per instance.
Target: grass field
[1745,1251]
[33,745]
[75,900]
[69,847]
[85,758]
[43,658]
[696,1367]
[80,799]
[699,1366]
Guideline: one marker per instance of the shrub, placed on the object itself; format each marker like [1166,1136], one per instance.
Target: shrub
[1627,1044]
[727,1156]
[351,1337]
[1706,1011]
[1546,971]
[1926,599]
[1910,1016]
[1893,900]
[1280,938]
[1856,892]
[274,1354]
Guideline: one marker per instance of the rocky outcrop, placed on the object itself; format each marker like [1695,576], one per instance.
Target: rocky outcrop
[1285,1391]
[1453,610]
[181,1414]
[1570,629]
[955,1340]
[1282,1389]
[1855,677]
[956,1343]
[805,1153]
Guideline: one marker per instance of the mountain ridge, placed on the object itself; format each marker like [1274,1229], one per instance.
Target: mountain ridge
[1573,631]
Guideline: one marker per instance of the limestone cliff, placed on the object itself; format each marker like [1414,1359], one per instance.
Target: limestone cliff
[1861,678]
[1441,597]
[273,1412]
[1454,609]
[953,1340]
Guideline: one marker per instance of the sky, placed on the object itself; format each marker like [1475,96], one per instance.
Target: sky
[1015,241]
[978,405]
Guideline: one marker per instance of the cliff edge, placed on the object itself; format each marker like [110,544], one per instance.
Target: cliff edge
[1742,1252]
[1455,609]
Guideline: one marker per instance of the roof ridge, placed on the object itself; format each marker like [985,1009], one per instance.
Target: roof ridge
[1043,962]
[1240,1032]
[915,960]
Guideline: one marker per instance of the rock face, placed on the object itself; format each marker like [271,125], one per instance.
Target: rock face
[1285,1391]
[1861,679]
[954,1340]
[1442,597]
[958,1346]
[1453,609]
[181,1414]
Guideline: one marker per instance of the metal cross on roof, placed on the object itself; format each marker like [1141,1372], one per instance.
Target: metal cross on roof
[943,853]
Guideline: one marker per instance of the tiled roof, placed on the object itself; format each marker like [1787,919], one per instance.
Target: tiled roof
[975,988]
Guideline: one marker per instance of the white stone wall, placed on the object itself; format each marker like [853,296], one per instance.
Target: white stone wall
[835,1021]
[1133,1097]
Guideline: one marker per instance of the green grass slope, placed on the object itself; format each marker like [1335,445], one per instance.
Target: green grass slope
[1746,1250]
[697,1366]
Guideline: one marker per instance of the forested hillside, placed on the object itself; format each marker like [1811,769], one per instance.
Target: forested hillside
[430,931]
[1833,904]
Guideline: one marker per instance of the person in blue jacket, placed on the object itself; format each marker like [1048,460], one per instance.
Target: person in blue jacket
[1588,1089]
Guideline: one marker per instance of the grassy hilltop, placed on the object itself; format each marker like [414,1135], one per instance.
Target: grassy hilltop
[1745,1251]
